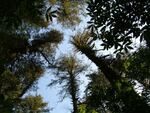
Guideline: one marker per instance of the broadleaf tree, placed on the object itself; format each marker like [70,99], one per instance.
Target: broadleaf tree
[120,83]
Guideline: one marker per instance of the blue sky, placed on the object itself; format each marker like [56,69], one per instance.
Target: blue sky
[50,95]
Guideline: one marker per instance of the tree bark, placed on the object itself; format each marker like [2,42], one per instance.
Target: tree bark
[73,92]
[132,101]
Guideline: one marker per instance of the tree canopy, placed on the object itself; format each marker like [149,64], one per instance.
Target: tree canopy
[113,24]
[116,22]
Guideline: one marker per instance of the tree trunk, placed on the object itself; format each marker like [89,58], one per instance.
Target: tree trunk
[132,101]
[73,92]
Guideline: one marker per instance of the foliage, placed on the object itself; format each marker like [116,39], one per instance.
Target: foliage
[68,11]
[20,61]
[125,94]
[116,22]
[22,75]
[31,104]
[83,41]
[101,96]
[53,1]
[138,68]
[68,70]
[82,109]
[16,12]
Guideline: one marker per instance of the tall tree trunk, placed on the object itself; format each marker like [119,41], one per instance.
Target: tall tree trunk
[74,101]
[132,101]
[73,92]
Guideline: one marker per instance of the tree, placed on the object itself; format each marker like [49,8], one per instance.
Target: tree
[101,96]
[20,61]
[68,71]
[137,68]
[68,11]
[121,85]
[18,12]
[116,22]
[31,104]
[96,92]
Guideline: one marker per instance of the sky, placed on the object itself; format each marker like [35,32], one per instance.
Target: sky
[50,95]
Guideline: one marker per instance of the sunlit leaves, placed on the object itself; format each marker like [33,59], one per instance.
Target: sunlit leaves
[53,1]
[68,14]
[68,69]
[83,41]
[9,90]
[83,108]
[32,104]
[21,50]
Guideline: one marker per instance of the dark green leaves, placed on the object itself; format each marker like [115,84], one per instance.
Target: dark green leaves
[122,20]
